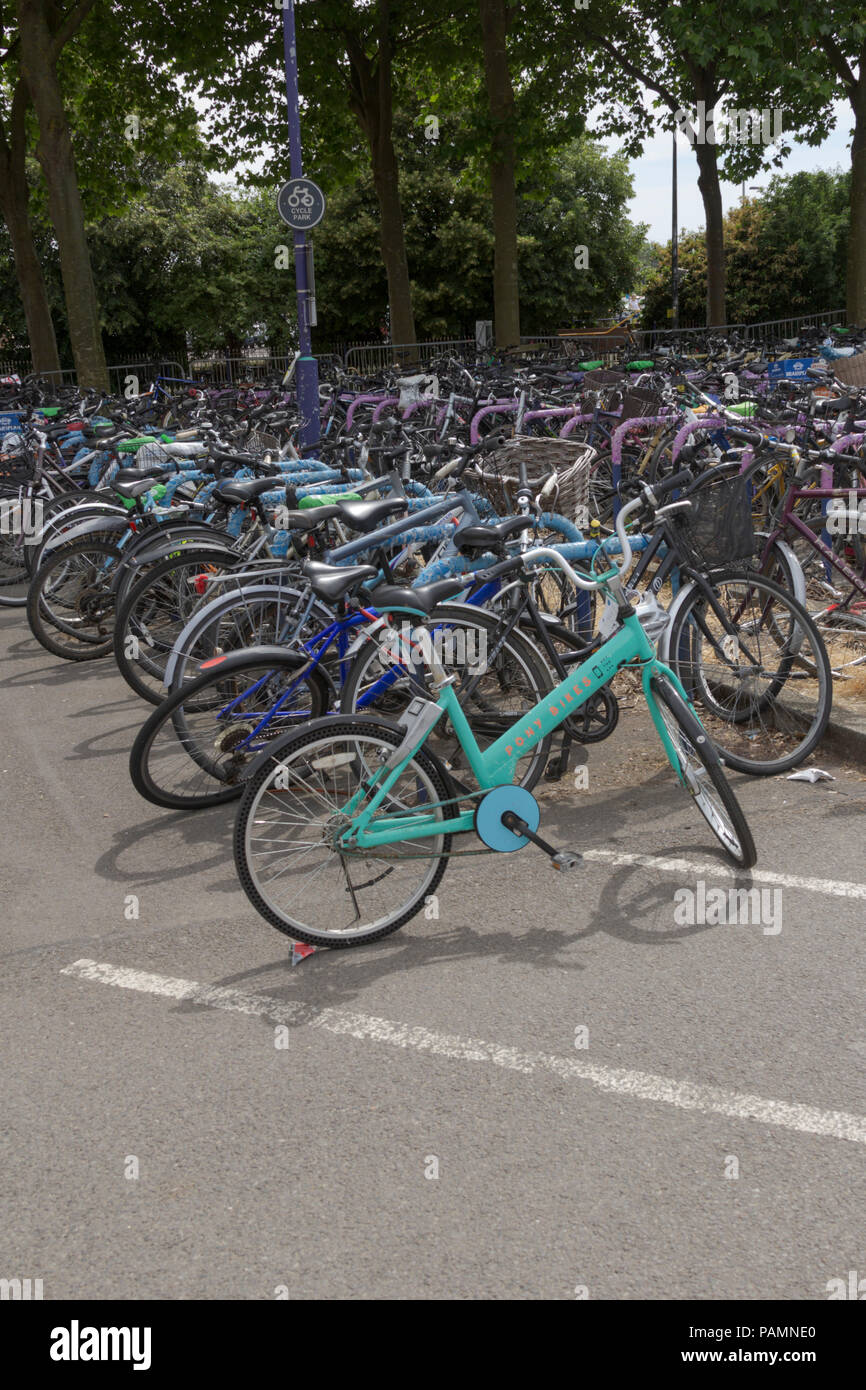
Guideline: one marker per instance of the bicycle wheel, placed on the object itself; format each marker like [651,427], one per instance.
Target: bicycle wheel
[287,822]
[70,606]
[843,629]
[154,613]
[498,679]
[700,772]
[755,662]
[14,568]
[249,614]
[196,748]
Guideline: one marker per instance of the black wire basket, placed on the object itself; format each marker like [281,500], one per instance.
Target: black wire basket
[717,530]
[17,464]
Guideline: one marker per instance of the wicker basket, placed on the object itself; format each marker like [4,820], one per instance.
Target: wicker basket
[851,370]
[497,477]
[638,403]
[259,443]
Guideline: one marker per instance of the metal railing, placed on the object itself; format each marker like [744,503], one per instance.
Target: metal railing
[254,364]
[371,357]
[768,328]
[145,371]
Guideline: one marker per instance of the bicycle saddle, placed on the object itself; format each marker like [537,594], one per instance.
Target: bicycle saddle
[134,475]
[489,537]
[366,516]
[331,582]
[310,519]
[135,488]
[246,490]
[424,598]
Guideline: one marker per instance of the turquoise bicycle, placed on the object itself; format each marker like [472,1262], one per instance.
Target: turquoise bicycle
[346,826]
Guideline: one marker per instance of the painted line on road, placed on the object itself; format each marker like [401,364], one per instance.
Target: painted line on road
[684,1095]
[836,887]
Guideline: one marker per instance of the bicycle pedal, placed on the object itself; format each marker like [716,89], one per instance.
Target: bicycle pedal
[565,859]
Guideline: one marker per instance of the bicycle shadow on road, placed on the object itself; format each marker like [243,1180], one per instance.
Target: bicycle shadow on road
[191,833]
[59,673]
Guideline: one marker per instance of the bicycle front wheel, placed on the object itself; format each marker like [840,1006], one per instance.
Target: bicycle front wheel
[287,825]
[752,658]
[198,745]
[700,771]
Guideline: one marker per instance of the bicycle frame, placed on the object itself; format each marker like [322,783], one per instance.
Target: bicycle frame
[497,764]
[790,519]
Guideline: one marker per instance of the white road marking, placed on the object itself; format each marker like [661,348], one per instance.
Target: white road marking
[685,1095]
[713,868]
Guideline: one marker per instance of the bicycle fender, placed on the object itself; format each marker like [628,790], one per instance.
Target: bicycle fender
[84,510]
[663,647]
[221,599]
[175,546]
[282,655]
[96,526]
[132,566]
[796,568]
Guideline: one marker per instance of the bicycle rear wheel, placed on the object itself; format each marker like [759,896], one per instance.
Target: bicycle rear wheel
[70,605]
[288,820]
[700,771]
[155,611]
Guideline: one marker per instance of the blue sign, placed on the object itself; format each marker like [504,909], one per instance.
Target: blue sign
[9,420]
[795,367]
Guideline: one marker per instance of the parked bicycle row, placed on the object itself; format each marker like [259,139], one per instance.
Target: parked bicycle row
[412,630]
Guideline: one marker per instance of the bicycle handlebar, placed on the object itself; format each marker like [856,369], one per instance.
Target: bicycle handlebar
[546,552]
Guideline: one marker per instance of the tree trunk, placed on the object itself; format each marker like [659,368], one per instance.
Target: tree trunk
[54,151]
[386,180]
[372,102]
[856,286]
[711,193]
[500,96]
[14,206]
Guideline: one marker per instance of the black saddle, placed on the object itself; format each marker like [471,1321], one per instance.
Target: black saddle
[367,516]
[490,537]
[308,519]
[244,491]
[424,599]
[135,488]
[332,582]
[134,475]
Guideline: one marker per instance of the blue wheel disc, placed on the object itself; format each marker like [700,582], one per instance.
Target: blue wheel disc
[491,809]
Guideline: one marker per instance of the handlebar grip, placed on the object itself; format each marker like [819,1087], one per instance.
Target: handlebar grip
[677,480]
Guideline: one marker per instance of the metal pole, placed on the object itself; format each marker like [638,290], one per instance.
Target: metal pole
[675,269]
[307,370]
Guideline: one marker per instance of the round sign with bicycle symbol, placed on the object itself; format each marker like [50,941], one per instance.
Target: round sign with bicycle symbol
[301,204]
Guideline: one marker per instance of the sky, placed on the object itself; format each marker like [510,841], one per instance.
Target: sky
[652,177]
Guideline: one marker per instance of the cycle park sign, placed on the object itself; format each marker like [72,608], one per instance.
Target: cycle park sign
[301,204]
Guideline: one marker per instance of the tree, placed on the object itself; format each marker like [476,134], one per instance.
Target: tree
[495,21]
[15,209]
[43,33]
[785,251]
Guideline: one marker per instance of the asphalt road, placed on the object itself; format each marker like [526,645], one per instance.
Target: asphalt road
[430,1124]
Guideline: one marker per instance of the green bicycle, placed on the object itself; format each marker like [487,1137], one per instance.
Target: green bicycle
[346,825]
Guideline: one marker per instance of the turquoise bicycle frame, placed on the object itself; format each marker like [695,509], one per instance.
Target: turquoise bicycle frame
[497,764]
